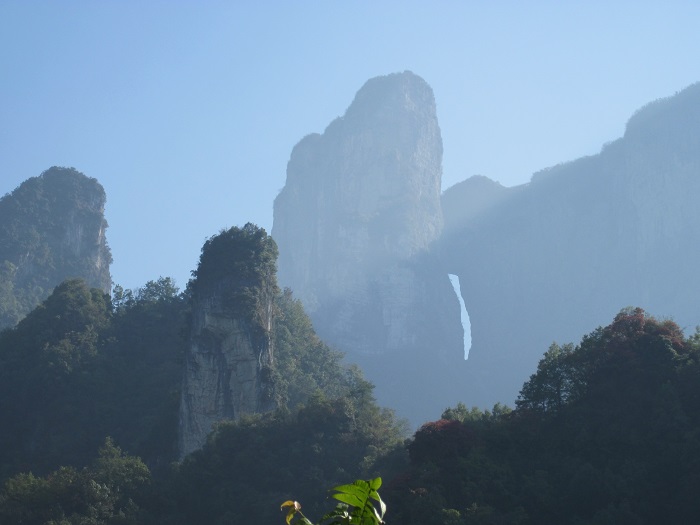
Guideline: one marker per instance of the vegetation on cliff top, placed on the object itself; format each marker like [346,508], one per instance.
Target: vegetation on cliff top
[240,263]
[604,432]
[51,228]
[81,367]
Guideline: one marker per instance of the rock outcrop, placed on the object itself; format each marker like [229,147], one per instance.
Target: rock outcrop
[362,243]
[354,224]
[52,228]
[563,254]
[228,363]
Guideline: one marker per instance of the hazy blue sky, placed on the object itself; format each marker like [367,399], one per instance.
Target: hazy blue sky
[187,112]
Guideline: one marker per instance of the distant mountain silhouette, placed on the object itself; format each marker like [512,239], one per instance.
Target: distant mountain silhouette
[367,246]
[555,258]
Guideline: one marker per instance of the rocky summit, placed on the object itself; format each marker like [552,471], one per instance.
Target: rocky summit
[52,227]
[367,243]
[354,224]
[229,358]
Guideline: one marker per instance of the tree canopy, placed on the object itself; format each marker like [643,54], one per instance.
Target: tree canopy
[603,432]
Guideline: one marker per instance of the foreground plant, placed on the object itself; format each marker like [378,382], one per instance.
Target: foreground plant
[360,504]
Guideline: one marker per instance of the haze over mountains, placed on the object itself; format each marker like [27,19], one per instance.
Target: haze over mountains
[544,261]
[552,259]
[367,242]
[355,223]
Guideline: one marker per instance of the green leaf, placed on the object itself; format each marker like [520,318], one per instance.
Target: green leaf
[359,495]
[350,499]
[360,488]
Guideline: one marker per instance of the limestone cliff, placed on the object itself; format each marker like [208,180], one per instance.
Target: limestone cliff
[354,223]
[228,363]
[563,254]
[362,243]
[52,227]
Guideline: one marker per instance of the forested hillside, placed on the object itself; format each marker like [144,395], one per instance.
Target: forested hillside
[605,431]
[85,371]
[98,390]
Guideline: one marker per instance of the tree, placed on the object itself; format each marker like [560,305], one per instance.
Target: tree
[555,383]
[244,262]
[106,493]
[47,365]
[304,365]
[319,445]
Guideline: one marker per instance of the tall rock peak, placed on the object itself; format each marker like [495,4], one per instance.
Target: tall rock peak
[229,360]
[365,192]
[52,228]
[358,213]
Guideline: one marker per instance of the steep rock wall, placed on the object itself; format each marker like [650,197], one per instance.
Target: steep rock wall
[562,255]
[354,223]
[52,227]
[223,378]
[228,363]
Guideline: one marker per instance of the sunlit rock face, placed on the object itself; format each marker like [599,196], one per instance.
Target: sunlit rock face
[52,227]
[354,224]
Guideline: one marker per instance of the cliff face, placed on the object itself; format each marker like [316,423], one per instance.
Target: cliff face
[563,254]
[354,223]
[363,245]
[229,359]
[52,227]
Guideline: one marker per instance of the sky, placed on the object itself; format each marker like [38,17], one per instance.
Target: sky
[186,112]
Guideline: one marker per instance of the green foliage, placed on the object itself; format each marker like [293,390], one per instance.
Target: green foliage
[241,263]
[109,492]
[80,367]
[74,371]
[555,383]
[51,228]
[47,365]
[475,415]
[317,446]
[360,504]
[161,290]
[604,432]
[607,431]
[304,365]
[141,371]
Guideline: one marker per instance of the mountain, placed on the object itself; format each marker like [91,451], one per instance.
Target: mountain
[367,246]
[467,200]
[547,260]
[228,363]
[52,227]
[355,223]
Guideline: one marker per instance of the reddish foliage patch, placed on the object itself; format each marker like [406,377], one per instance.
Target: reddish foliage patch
[440,440]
